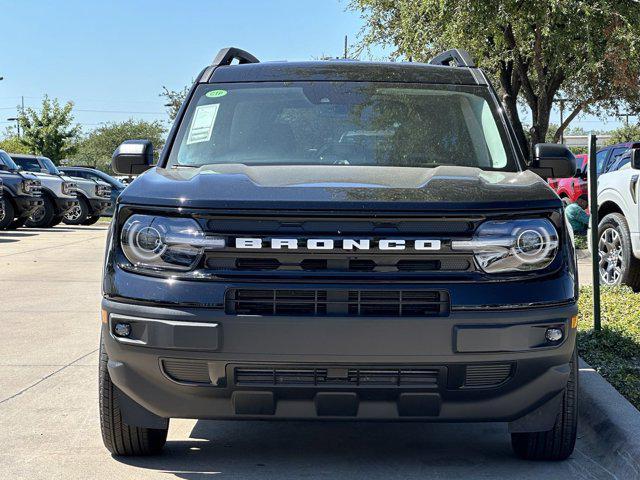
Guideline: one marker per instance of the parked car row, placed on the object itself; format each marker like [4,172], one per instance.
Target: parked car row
[35,193]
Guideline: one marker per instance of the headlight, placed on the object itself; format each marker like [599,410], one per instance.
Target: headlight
[69,188]
[164,243]
[31,187]
[103,190]
[512,245]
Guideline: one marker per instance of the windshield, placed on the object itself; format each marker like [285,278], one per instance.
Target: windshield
[342,123]
[8,161]
[50,166]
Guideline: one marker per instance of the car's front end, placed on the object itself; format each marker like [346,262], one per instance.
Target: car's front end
[206,317]
[67,197]
[340,241]
[101,202]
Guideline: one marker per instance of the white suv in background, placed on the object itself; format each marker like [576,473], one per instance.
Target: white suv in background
[618,212]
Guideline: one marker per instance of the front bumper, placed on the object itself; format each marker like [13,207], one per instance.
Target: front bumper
[26,205]
[100,206]
[64,204]
[469,366]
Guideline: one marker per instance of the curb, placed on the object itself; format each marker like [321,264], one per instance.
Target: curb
[609,425]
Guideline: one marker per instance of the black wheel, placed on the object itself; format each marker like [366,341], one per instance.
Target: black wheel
[56,220]
[77,214]
[118,437]
[91,220]
[557,443]
[6,214]
[43,216]
[617,264]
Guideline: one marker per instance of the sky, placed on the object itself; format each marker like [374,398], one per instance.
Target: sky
[113,58]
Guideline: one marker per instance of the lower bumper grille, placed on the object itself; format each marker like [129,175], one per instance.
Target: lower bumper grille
[489,375]
[337,376]
[336,302]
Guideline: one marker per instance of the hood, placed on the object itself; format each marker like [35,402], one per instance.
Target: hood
[339,187]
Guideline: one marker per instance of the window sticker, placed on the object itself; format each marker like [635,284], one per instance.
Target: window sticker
[216,93]
[202,124]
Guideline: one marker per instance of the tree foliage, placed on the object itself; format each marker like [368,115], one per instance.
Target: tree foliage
[625,133]
[49,132]
[97,147]
[536,50]
[11,142]
[174,99]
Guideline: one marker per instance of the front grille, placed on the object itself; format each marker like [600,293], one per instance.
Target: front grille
[337,302]
[265,262]
[187,371]
[489,375]
[286,261]
[337,376]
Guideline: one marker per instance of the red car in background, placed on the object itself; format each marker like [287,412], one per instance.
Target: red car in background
[570,189]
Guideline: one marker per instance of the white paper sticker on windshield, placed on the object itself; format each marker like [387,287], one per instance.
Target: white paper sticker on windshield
[202,124]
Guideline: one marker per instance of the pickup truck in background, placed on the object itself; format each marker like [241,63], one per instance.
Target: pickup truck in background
[571,189]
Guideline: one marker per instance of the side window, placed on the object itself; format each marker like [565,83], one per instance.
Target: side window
[621,162]
[601,157]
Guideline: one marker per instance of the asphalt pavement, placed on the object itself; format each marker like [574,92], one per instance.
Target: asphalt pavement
[49,318]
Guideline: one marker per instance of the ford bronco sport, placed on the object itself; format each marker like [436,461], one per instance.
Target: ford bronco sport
[340,240]
[21,193]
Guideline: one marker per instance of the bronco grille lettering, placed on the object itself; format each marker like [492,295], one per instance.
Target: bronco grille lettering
[341,244]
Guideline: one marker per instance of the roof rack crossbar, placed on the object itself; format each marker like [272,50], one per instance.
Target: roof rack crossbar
[453,57]
[229,54]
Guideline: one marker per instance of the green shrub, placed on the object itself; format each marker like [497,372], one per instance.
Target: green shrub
[614,352]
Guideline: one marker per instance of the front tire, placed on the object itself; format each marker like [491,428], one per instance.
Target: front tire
[617,265]
[43,216]
[91,220]
[559,442]
[6,215]
[78,214]
[118,437]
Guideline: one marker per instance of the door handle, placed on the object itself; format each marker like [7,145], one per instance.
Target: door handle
[633,187]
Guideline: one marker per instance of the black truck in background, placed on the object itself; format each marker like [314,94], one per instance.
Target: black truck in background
[21,194]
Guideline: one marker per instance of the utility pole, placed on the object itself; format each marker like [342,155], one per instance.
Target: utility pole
[345,46]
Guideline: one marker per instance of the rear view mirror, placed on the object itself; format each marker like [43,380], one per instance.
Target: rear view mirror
[132,157]
[635,158]
[552,160]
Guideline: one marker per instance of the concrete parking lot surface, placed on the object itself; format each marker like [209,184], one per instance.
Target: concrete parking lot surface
[49,318]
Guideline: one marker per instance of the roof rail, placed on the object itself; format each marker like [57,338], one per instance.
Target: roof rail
[229,54]
[454,57]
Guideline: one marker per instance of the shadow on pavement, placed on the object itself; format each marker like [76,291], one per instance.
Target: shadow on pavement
[347,450]
[16,234]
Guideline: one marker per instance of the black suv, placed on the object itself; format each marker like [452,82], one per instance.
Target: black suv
[340,240]
[20,193]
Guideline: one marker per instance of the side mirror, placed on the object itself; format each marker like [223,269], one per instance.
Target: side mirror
[132,157]
[553,160]
[635,158]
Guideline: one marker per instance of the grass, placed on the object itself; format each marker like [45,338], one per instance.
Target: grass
[580,242]
[614,352]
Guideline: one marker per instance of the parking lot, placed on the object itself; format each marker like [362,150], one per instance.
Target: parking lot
[50,284]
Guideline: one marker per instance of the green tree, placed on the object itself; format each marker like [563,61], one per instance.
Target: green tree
[49,132]
[174,100]
[97,147]
[625,133]
[11,143]
[535,50]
